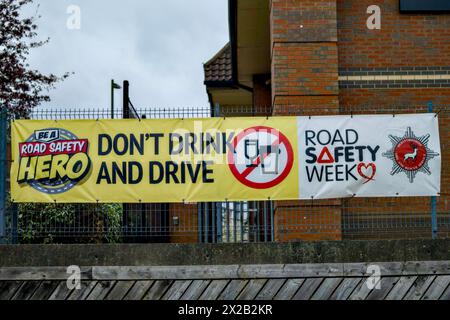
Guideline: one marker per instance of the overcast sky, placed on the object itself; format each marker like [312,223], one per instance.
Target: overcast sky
[158,45]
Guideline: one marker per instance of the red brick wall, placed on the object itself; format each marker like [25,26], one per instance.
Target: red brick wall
[406,44]
[314,42]
[404,39]
[305,76]
[394,97]
[304,52]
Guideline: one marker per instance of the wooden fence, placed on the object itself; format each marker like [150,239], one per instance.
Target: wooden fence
[331,281]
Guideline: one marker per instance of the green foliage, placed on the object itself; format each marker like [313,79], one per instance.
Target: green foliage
[68,223]
[21,87]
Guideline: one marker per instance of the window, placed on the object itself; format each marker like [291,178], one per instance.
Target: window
[423,6]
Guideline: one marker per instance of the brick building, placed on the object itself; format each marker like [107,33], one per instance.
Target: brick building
[329,57]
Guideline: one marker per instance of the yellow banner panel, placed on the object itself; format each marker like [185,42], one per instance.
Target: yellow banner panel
[132,161]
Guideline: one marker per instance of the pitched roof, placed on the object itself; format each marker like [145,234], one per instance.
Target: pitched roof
[219,68]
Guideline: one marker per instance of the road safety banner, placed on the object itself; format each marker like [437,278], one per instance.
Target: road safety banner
[232,159]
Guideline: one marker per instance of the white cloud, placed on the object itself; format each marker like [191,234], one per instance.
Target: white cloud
[159,46]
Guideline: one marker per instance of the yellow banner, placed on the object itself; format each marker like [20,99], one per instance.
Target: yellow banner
[132,161]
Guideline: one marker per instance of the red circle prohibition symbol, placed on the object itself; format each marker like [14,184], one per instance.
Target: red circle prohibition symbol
[243,176]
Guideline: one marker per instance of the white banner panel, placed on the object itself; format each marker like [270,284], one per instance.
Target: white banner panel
[369,156]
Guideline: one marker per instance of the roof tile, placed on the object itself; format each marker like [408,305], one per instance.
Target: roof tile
[219,68]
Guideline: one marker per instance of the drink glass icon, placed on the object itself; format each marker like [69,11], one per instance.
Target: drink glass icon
[272,153]
[251,153]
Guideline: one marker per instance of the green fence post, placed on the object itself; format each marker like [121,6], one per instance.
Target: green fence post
[3,168]
[434,218]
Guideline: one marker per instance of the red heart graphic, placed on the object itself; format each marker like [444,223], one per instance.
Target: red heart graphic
[365,175]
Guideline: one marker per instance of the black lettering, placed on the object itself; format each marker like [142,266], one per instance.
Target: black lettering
[348,173]
[172,150]
[338,138]
[312,156]
[348,136]
[124,149]
[210,141]
[314,173]
[156,137]
[310,135]
[360,150]
[119,172]
[373,152]
[327,137]
[101,139]
[171,172]
[191,140]
[103,174]
[207,172]
[349,154]
[139,145]
[338,153]
[339,173]
[156,179]
[328,173]
[132,178]
[194,174]
[228,143]
[183,173]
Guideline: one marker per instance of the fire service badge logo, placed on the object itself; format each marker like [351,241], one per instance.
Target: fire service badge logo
[410,154]
[53,161]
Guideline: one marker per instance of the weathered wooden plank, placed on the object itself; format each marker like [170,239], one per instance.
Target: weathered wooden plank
[158,289]
[214,289]
[120,290]
[289,289]
[401,288]
[446,294]
[233,289]
[101,290]
[195,290]
[419,287]
[41,273]
[386,285]
[326,288]
[84,291]
[9,288]
[308,288]
[388,269]
[177,289]
[426,268]
[312,270]
[61,291]
[261,271]
[345,289]
[138,290]
[2,284]
[361,292]
[270,289]
[437,288]
[44,290]
[252,289]
[26,290]
[165,273]
[217,272]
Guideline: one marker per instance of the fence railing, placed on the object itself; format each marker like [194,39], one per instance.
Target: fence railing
[338,219]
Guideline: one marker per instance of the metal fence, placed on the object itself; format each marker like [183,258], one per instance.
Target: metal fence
[281,221]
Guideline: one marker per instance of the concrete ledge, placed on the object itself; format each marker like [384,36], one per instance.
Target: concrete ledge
[223,254]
